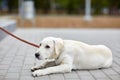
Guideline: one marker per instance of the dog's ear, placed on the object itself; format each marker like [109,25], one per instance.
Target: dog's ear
[58,46]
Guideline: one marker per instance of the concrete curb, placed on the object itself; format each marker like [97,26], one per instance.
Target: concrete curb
[7,24]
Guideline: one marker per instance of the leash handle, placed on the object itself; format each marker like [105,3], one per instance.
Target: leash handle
[27,42]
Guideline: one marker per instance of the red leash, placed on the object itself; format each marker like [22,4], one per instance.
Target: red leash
[32,44]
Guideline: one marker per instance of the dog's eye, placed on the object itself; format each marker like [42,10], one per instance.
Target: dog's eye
[47,46]
[40,44]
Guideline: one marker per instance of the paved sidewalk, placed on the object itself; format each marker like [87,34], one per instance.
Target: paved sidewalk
[16,58]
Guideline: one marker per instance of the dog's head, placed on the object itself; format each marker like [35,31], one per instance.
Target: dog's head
[50,48]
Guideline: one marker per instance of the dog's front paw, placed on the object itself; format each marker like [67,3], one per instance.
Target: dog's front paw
[33,69]
[38,73]
[35,74]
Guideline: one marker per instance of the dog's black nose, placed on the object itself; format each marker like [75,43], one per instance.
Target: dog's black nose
[37,54]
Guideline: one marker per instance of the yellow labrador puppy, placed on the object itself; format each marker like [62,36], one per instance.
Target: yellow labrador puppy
[70,54]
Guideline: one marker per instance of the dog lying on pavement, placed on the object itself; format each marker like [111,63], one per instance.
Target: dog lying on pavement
[70,54]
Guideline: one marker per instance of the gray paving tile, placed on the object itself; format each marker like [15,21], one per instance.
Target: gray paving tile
[4,66]
[10,55]
[110,71]
[14,69]
[11,79]
[71,75]
[29,62]
[103,79]
[6,58]
[116,68]
[98,74]
[0,59]
[17,61]
[3,72]
[27,66]
[72,79]
[83,73]
[43,78]
[18,58]
[7,62]
[87,78]
[12,75]
[16,64]
[1,77]
[26,72]
[26,78]
[20,54]
[56,77]
[115,77]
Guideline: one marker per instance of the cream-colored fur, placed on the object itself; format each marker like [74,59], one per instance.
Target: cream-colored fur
[70,54]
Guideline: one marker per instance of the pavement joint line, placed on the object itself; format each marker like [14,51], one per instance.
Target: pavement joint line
[77,75]
[116,71]
[106,75]
[23,62]
[92,75]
